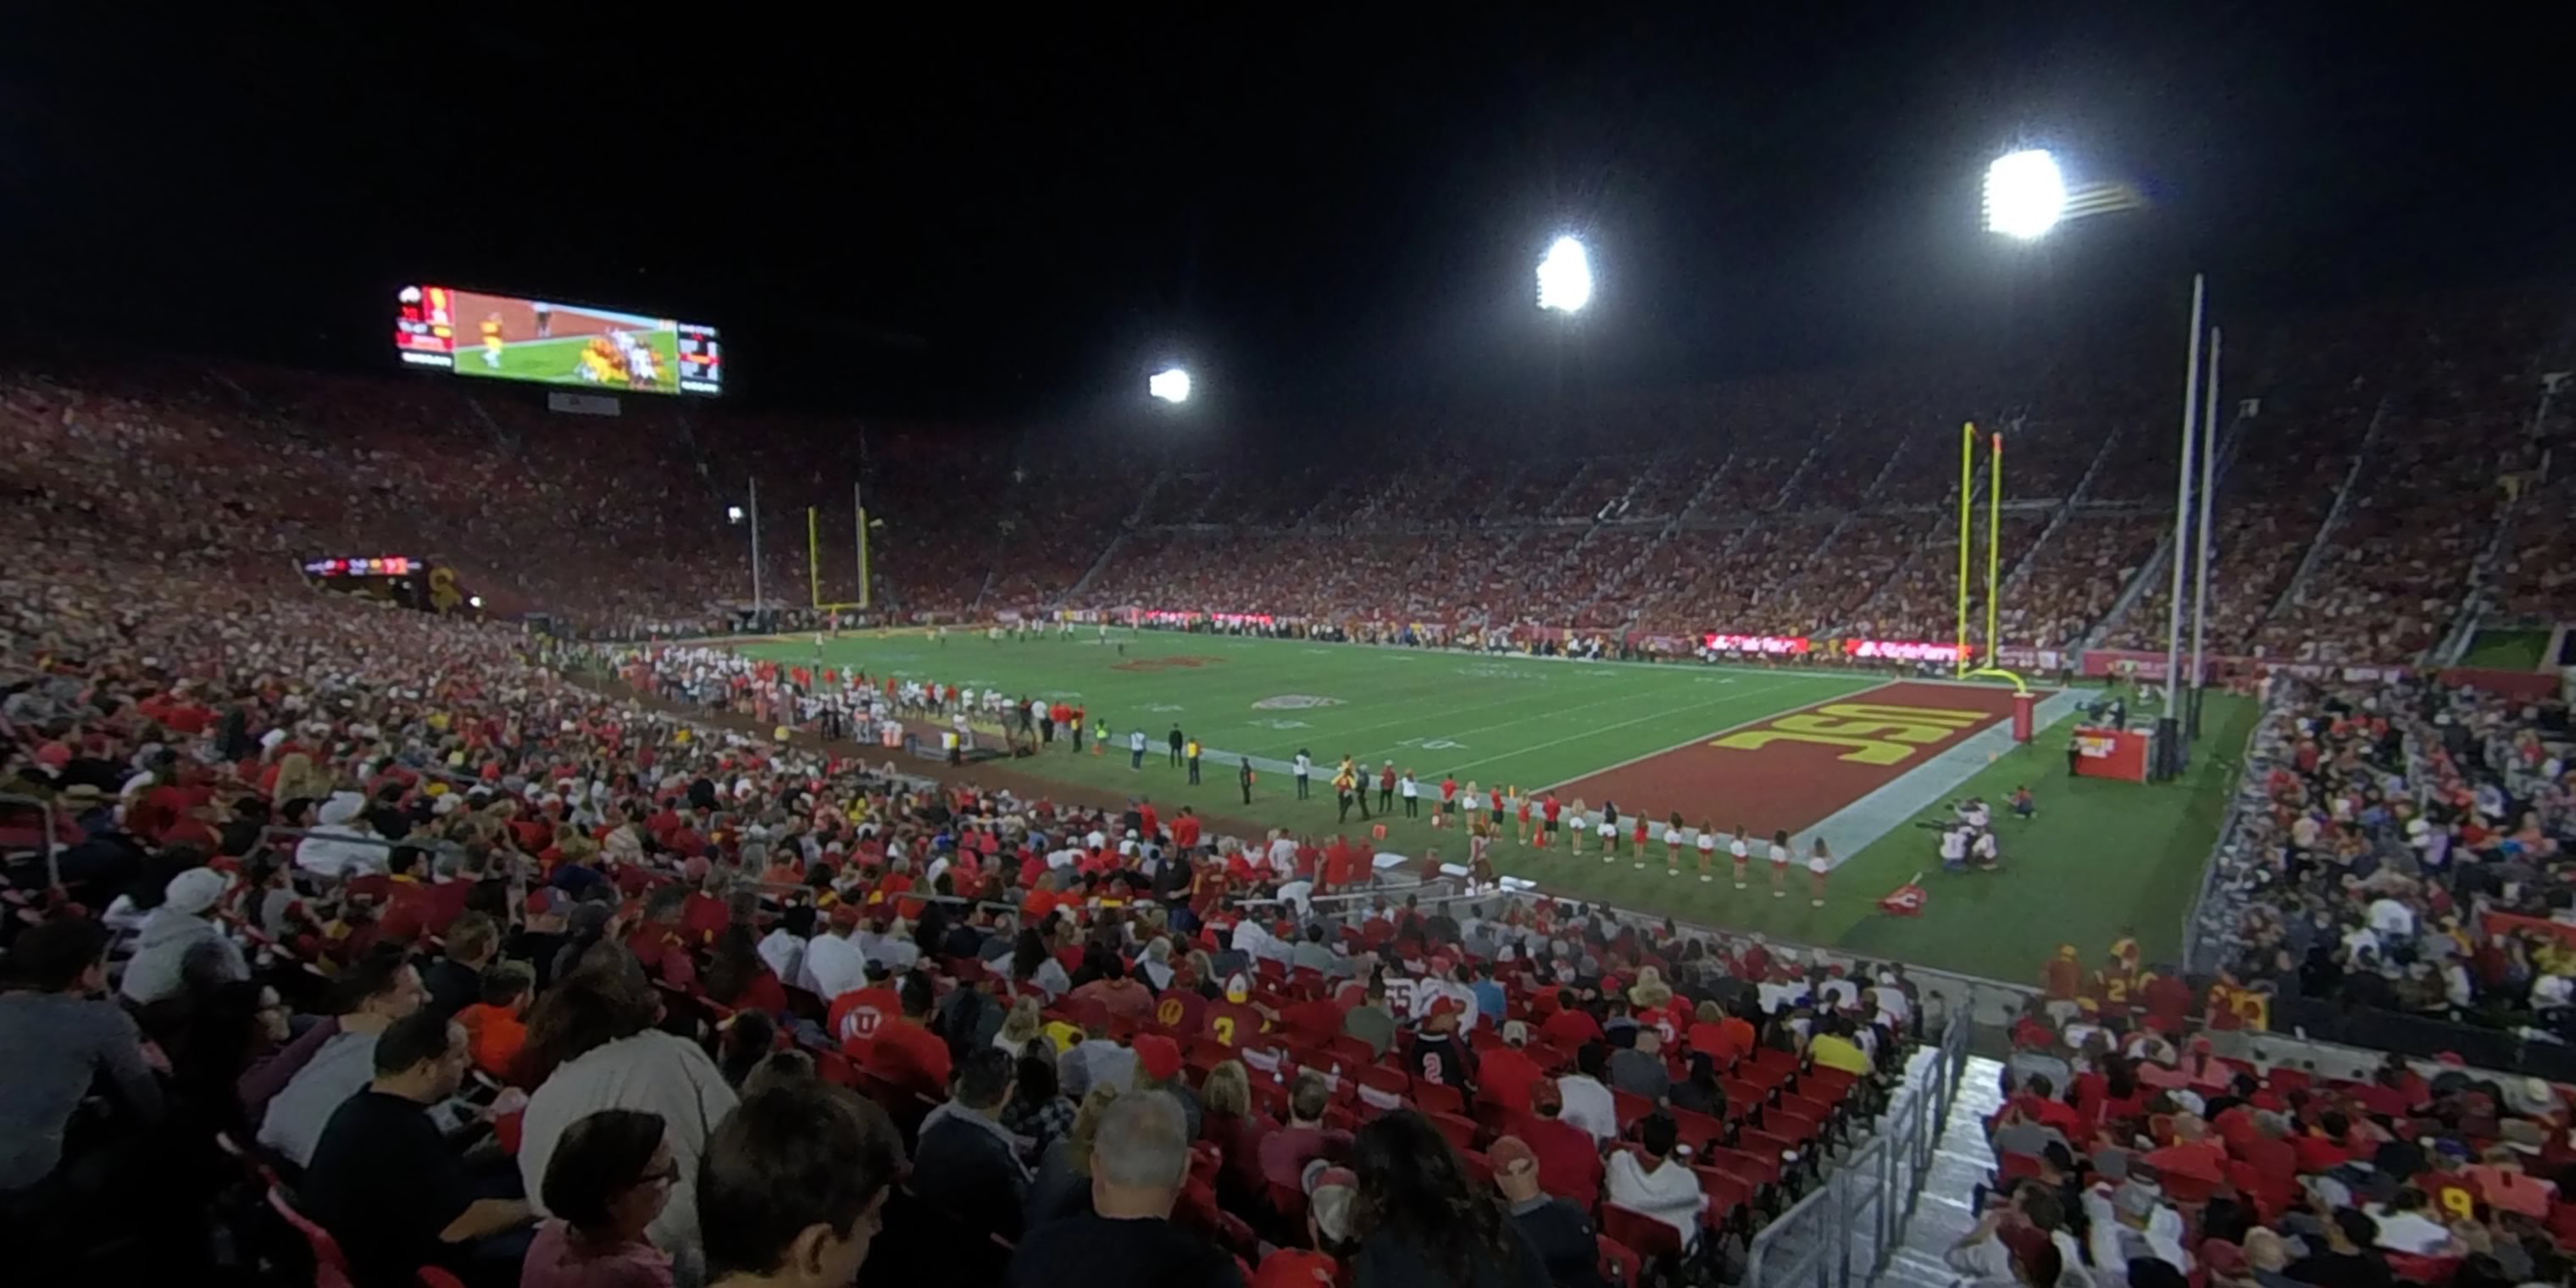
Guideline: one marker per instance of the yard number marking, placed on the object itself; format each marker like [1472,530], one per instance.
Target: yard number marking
[1870,733]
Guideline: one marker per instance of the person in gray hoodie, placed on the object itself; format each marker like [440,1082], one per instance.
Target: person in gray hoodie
[180,943]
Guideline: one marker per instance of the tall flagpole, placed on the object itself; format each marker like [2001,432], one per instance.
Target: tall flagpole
[1994,542]
[2168,728]
[2208,476]
[1967,482]
[755,547]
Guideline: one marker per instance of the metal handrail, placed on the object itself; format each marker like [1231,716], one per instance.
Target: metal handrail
[1871,1191]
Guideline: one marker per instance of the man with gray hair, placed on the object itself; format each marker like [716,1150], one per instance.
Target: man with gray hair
[1140,1156]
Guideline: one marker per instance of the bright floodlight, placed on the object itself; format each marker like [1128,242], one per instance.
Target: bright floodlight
[733,514]
[1565,277]
[1171,384]
[2025,194]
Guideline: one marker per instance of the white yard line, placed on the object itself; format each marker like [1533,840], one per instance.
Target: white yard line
[1601,729]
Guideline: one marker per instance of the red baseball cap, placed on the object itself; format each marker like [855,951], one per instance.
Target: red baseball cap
[1158,1056]
[1510,1151]
[1295,1268]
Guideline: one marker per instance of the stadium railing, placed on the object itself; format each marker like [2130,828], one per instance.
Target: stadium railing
[1845,1231]
[47,822]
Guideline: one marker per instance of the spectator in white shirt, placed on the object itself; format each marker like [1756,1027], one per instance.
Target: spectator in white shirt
[2404,1226]
[1587,1098]
[342,844]
[2392,919]
[833,963]
[1660,1185]
[783,949]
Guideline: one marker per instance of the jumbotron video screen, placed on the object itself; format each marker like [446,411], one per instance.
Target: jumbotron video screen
[506,337]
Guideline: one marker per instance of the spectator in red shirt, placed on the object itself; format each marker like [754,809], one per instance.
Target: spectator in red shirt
[1508,1074]
[1117,993]
[1569,1162]
[905,1051]
[706,913]
[2323,1149]
[411,908]
[656,941]
[1571,1026]
[1284,1153]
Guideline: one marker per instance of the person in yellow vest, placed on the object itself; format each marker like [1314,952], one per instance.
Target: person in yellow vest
[1099,736]
[1192,750]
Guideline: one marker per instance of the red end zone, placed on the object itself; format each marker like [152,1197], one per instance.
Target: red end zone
[1793,770]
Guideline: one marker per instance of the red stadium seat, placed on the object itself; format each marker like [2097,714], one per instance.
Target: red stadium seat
[1728,1194]
[330,1266]
[1437,1097]
[1620,1263]
[1459,1132]
[1630,1108]
[1697,1130]
[1653,1240]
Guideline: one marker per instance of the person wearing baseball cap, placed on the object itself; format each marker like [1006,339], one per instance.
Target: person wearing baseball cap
[1506,1073]
[833,964]
[1332,1195]
[1561,1232]
[1158,1068]
[180,928]
[1439,1053]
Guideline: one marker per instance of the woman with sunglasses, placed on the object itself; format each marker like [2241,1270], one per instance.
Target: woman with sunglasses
[609,1178]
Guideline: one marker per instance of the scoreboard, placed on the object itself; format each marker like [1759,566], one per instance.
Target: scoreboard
[510,337]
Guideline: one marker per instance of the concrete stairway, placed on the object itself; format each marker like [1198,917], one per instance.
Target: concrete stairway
[1963,1161]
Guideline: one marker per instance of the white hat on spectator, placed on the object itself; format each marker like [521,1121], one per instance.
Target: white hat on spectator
[194,891]
[268,741]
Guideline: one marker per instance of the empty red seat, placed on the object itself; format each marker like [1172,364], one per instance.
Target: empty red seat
[330,1266]
[1438,1097]
[1652,1239]
[1459,1132]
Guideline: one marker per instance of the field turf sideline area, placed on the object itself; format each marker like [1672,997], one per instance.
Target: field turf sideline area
[1763,748]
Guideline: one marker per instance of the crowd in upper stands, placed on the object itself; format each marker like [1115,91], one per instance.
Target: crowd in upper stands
[1813,504]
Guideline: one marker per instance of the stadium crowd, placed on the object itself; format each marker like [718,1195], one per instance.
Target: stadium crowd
[369,942]
[2401,850]
[2131,1151]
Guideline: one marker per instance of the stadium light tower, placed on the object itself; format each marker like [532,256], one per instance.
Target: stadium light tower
[1565,276]
[2025,194]
[1171,384]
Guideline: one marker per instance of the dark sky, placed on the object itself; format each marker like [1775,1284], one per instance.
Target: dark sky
[1318,207]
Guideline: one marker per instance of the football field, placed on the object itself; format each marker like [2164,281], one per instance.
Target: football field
[557,361]
[1811,752]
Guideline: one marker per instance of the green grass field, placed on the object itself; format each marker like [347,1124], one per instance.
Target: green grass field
[2509,650]
[557,361]
[2101,856]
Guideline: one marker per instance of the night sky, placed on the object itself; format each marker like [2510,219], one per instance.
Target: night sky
[1016,217]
